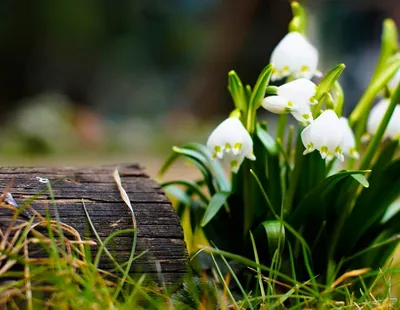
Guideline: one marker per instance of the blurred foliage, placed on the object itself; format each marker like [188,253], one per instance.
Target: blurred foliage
[140,65]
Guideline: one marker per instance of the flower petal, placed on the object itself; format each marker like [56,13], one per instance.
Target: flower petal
[231,142]
[325,133]
[349,141]
[375,118]
[300,89]
[277,104]
[295,56]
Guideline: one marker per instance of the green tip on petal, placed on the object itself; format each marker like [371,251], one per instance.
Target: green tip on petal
[234,166]
[324,150]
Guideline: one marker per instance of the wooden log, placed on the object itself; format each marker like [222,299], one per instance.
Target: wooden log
[158,228]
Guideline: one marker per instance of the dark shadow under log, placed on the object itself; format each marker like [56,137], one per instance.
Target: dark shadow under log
[158,229]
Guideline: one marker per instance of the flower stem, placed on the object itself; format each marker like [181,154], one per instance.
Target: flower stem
[373,145]
[248,197]
[289,143]
[248,179]
[280,132]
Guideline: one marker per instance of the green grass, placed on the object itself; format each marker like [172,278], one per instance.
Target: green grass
[68,276]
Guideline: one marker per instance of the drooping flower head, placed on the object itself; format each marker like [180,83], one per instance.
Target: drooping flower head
[324,134]
[294,97]
[231,141]
[294,56]
[375,118]
[349,141]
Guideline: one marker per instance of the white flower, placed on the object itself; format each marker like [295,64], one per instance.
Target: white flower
[231,141]
[294,56]
[349,141]
[294,97]
[375,118]
[325,134]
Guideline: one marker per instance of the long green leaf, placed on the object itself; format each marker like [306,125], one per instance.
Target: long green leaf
[328,80]
[376,85]
[201,158]
[275,233]
[190,185]
[279,218]
[175,192]
[249,263]
[201,162]
[268,170]
[216,203]
[313,202]
[267,140]
[372,204]
[389,45]
[214,165]
[260,87]
[237,91]
[361,179]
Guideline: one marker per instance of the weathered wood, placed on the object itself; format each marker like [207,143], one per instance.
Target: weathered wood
[159,231]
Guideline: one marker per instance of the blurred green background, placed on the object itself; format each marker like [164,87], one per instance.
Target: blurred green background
[99,82]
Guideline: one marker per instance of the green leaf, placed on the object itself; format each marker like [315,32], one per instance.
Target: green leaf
[339,97]
[372,204]
[267,140]
[275,234]
[315,201]
[277,217]
[201,162]
[177,193]
[389,44]
[214,165]
[391,211]
[260,87]
[384,157]
[294,176]
[201,156]
[189,185]
[363,106]
[361,179]
[216,203]
[170,160]
[237,91]
[312,173]
[260,168]
[248,92]
[328,81]
[197,211]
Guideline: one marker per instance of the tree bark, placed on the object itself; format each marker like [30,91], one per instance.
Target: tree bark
[158,228]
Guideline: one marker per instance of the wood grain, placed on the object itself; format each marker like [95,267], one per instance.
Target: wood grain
[159,230]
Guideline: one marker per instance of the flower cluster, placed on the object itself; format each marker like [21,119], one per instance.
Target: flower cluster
[296,59]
